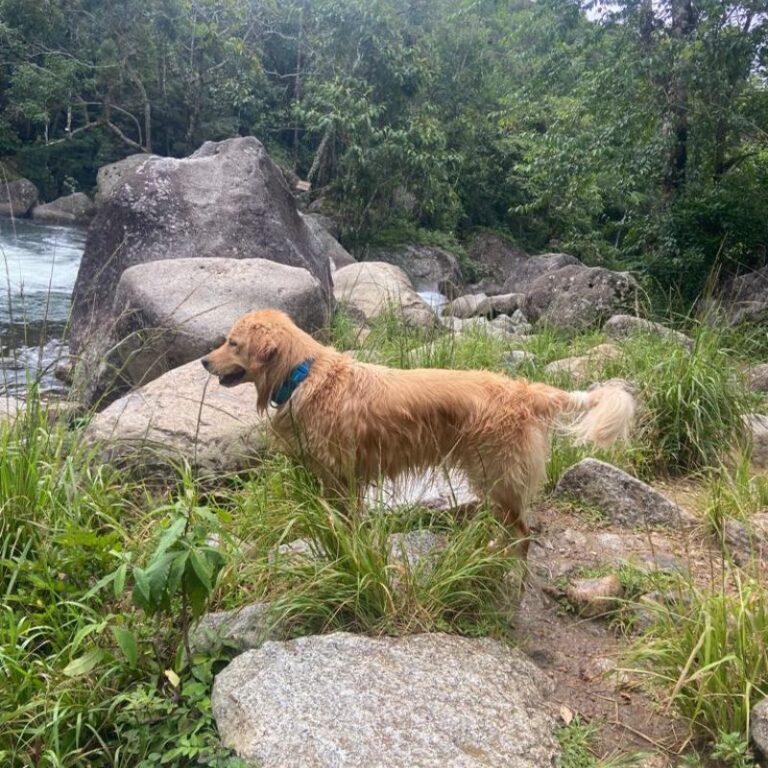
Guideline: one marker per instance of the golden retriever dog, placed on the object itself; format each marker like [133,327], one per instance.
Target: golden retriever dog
[352,423]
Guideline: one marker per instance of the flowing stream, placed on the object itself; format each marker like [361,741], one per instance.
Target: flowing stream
[38,267]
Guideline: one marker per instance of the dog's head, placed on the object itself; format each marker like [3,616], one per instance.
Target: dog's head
[262,348]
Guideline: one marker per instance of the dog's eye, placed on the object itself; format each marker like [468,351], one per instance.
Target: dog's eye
[232,344]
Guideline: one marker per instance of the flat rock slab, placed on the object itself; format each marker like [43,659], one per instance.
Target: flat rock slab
[183,415]
[624,499]
[348,701]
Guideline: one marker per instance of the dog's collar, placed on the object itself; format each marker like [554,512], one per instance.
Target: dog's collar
[287,388]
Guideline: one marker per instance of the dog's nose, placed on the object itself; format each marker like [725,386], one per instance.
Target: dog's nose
[206,363]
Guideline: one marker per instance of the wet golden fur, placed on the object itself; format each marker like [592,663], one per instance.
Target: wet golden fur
[353,422]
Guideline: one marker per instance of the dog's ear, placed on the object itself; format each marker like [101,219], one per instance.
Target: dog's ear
[261,351]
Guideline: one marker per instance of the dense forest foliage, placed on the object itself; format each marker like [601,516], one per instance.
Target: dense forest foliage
[631,134]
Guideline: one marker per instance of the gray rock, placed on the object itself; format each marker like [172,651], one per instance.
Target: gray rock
[748,540]
[623,326]
[624,499]
[471,305]
[595,597]
[758,727]
[503,268]
[416,550]
[757,428]
[345,700]
[757,377]
[585,366]
[511,325]
[227,200]
[111,176]
[745,299]
[242,629]
[577,297]
[182,415]
[296,551]
[71,209]
[330,247]
[17,198]
[517,357]
[508,304]
[369,289]
[167,313]
[527,270]
[427,267]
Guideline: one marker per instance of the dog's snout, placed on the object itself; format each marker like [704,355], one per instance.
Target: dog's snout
[206,363]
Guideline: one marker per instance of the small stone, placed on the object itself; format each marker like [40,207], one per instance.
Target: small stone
[757,425]
[588,365]
[623,326]
[595,597]
[296,550]
[242,628]
[516,357]
[757,377]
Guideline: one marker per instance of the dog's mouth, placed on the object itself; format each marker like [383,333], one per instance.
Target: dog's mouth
[231,379]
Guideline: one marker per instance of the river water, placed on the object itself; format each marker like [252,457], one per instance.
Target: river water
[38,267]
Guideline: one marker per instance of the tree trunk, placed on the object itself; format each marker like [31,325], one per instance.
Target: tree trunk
[683,24]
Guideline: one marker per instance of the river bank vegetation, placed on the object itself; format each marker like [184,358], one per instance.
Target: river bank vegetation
[632,134]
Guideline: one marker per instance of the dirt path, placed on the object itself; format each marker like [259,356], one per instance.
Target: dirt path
[585,656]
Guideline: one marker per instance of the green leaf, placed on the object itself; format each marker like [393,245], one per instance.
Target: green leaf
[128,644]
[170,537]
[157,575]
[120,575]
[142,595]
[82,665]
[202,569]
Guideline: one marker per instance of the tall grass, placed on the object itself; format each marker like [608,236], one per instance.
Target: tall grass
[352,577]
[694,401]
[709,652]
[59,531]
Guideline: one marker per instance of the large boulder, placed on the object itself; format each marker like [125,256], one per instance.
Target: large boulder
[330,246]
[71,209]
[492,259]
[624,499]
[370,288]
[183,416]
[426,266]
[347,700]
[111,176]
[577,297]
[503,268]
[525,271]
[227,200]
[17,198]
[745,299]
[167,313]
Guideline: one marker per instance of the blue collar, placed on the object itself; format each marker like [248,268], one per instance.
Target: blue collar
[287,388]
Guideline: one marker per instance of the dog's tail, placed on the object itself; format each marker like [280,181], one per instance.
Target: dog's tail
[607,413]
